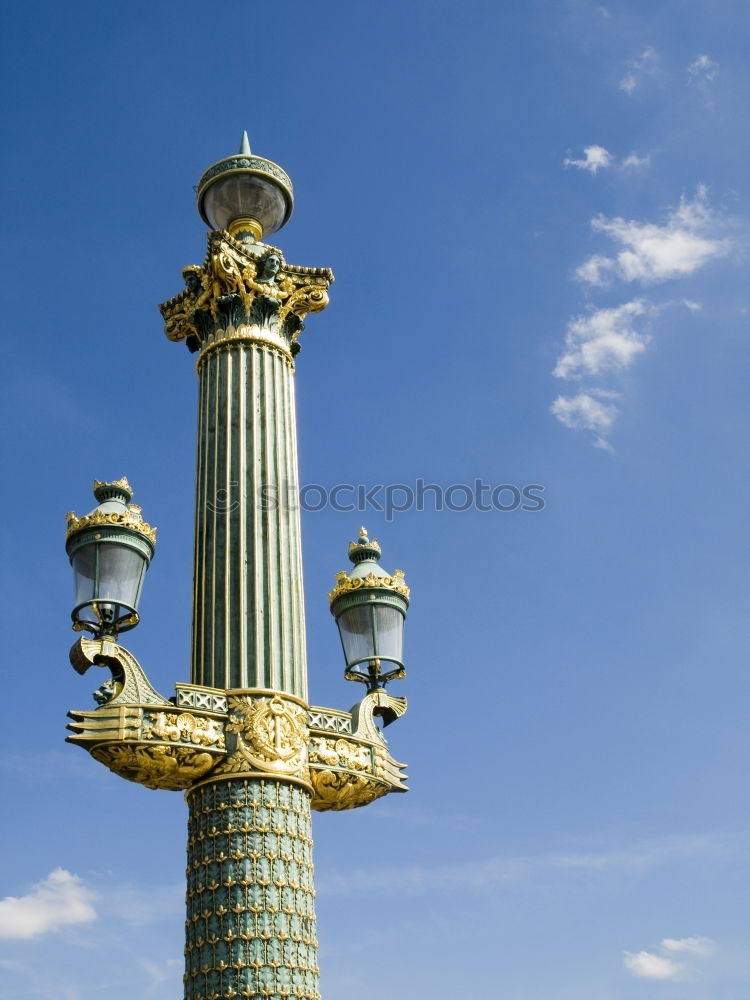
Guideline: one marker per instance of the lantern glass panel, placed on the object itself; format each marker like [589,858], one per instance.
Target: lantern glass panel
[239,195]
[355,625]
[120,573]
[389,633]
[107,572]
[84,573]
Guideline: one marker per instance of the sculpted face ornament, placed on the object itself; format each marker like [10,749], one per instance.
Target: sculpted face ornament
[192,276]
[269,267]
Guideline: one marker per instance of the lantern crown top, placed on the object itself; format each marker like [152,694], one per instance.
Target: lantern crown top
[367,573]
[118,489]
[364,548]
[114,510]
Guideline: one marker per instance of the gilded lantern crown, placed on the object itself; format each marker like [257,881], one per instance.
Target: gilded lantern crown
[368,573]
[114,511]
[249,196]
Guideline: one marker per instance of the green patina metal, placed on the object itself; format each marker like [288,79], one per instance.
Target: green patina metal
[250,928]
[248,614]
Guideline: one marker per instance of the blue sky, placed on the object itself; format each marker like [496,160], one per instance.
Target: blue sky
[537,216]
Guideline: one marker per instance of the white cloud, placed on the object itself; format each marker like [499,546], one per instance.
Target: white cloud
[645,65]
[633,161]
[586,412]
[647,966]
[605,340]
[57,901]
[701,74]
[597,158]
[650,253]
[703,946]
[595,270]
[703,68]
[594,158]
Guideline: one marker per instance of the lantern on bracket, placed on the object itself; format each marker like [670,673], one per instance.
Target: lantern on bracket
[370,608]
[110,550]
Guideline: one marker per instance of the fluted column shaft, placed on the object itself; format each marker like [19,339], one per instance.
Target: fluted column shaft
[248,611]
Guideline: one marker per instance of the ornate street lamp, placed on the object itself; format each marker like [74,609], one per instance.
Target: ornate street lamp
[370,608]
[252,756]
[110,550]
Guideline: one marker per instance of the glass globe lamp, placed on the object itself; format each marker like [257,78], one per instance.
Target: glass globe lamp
[247,195]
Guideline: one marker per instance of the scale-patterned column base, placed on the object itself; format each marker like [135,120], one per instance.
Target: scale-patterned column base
[250,929]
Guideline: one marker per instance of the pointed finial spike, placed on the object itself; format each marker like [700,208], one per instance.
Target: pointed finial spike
[245,144]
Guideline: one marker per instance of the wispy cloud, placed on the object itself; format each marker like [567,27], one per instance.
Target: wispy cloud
[645,65]
[692,236]
[586,412]
[703,68]
[597,158]
[594,158]
[649,965]
[488,874]
[633,162]
[162,975]
[701,74]
[702,946]
[645,965]
[139,906]
[57,901]
[607,341]
[604,340]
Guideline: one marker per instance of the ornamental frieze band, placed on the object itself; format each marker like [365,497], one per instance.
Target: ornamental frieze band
[340,757]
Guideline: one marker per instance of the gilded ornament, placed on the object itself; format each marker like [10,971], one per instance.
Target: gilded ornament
[183,727]
[130,518]
[336,790]
[129,682]
[243,291]
[270,735]
[346,584]
[352,770]
[123,484]
[341,753]
[171,768]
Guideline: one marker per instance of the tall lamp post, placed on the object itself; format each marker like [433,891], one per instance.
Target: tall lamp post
[240,739]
